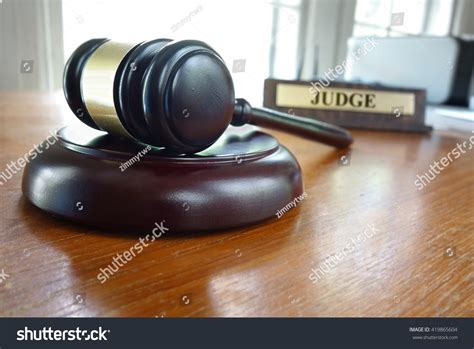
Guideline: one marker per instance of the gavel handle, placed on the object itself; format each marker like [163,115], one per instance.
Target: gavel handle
[304,127]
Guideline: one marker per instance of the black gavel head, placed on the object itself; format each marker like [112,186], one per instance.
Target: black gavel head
[173,94]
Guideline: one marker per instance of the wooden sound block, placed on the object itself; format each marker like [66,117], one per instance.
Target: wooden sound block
[90,177]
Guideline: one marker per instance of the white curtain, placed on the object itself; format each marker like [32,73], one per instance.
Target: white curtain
[329,24]
[463,21]
[31,45]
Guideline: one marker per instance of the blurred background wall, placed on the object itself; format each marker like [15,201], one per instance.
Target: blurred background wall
[257,39]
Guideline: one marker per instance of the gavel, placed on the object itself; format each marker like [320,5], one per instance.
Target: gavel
[178,95]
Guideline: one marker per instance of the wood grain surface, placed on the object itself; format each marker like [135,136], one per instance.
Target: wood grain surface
[418,262]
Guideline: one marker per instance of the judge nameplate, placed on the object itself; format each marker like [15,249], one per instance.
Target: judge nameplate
[349,104]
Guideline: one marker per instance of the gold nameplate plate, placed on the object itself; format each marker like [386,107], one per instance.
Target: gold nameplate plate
[356,100]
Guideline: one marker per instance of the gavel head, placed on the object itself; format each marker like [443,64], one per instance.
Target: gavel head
[173,94]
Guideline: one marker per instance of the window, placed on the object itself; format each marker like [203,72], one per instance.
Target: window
[402,18]
[284,39]
[253,37]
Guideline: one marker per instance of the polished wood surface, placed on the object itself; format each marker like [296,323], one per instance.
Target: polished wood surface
[418,263]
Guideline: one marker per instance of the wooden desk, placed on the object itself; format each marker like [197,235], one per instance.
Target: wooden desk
[418,263]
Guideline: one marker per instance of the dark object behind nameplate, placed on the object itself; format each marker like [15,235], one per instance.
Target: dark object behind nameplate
[350,104]
[246,177]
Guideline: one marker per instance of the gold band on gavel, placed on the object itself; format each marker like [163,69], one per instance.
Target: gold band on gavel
[97,86]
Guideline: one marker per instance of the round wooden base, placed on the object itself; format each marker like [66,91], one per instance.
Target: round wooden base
[98,180]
